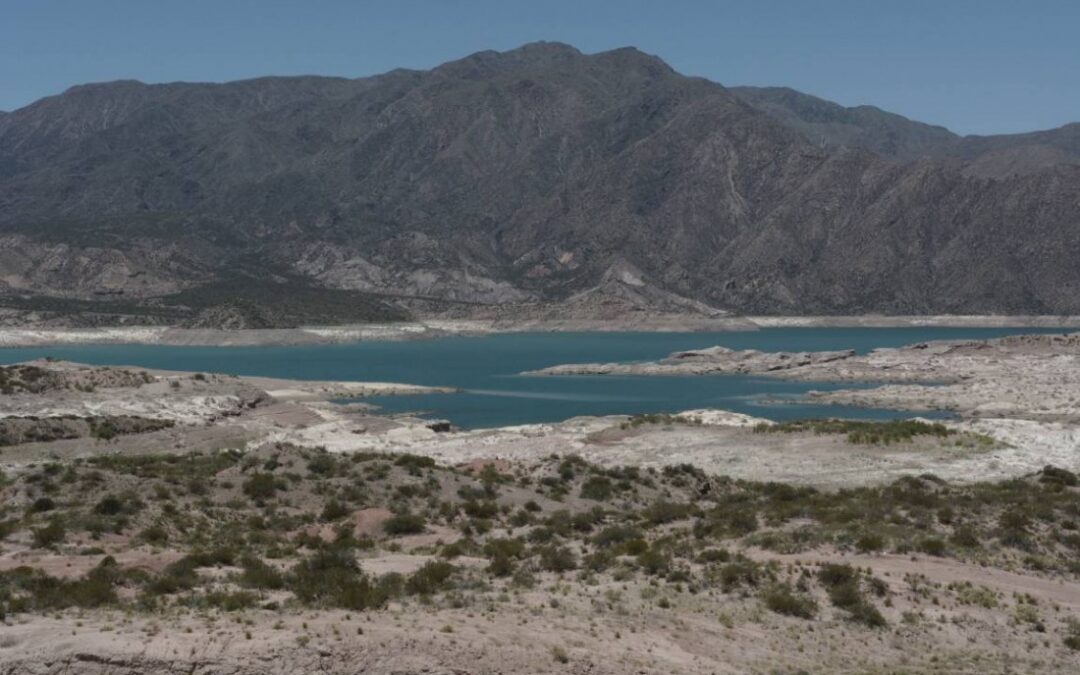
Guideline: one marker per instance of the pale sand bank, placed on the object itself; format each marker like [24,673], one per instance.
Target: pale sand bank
[164,335]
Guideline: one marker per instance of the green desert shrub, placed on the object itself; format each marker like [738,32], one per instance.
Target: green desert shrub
[842,584]
[433,577]
[322,464]
[258,574]
[53,533]
[934,546]
[332,578]
[333,510]
[740,573]
[654,562]
[662,512]
[27,589]
[115,505]
[261,486]
[615,535]
[404,523]
[1056,476]
[154,534]
[555,558]
[598,488]
[782,599]
[42,504]
[869,542]
[862,432]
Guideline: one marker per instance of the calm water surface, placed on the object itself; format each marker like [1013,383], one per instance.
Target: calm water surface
[486,368]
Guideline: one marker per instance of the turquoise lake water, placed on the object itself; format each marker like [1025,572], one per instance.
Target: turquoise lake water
[487,368]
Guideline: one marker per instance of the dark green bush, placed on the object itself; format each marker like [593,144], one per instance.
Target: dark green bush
[654,562]
[331,578]
[662,512]
[257,574]
[869,542]
[932,546]
[261,486]
[780,598]
[615,535]
[1054,475]
[433,577]
[597,488]
[322,464]
[50,535]
[404,523]
[42,504]
[740,573]
[557,559]
[333,510]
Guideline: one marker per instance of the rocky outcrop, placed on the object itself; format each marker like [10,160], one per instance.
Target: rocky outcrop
[16,430]
[711,361]
[239,316]
[44,376]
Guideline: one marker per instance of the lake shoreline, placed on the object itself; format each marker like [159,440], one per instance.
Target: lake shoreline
[30,336]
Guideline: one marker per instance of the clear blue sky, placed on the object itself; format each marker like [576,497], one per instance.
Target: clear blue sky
[976,66]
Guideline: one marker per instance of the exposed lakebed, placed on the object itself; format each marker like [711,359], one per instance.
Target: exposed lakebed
[486,370]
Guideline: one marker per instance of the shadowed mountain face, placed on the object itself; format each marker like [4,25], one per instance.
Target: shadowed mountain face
[531,176]
[832,126]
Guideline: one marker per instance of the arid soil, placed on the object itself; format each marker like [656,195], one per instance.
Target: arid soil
[249,525]
[22,334]
[203,563]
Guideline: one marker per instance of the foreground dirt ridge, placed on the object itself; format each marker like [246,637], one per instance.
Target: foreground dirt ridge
[548,566]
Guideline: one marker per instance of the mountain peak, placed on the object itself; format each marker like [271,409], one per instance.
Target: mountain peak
[546,49]
[490,62]
[632,57]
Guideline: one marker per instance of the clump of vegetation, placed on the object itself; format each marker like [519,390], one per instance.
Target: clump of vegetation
[598,488]
[332,578]
[24,589]
[404,523]
[433,577]
[861,431]
[261,486]
[782,599]
[51,534]
[843,585]
[657,418]
[1072,633]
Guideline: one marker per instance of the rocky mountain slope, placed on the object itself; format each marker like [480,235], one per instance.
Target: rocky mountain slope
[524,177]
[833,126]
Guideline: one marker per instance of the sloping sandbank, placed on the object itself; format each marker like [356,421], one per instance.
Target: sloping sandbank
[173,411]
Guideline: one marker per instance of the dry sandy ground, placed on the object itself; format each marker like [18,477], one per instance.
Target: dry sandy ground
[434,328]
[726,445]
[607,628]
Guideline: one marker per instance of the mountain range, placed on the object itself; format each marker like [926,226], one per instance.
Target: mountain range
[539,177]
